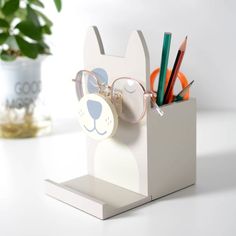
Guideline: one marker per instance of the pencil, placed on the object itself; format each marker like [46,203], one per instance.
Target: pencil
[174,73]
[163,68]
[181,94]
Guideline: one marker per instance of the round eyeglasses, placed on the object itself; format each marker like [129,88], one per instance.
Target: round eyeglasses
[127,94]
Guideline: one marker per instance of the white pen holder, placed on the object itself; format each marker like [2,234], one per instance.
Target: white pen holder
[142,161]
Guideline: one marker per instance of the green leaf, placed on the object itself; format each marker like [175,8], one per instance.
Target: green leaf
[46,29]
[30,30]
[4,23]
[21,13]
[3,38]
[28,49]
[5,56]
[32,16]
[43,48]
[58,4]
[11,42]
[37,3]
[45,18]
[10,7]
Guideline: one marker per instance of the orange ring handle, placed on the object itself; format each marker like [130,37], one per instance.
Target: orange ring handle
[182,78]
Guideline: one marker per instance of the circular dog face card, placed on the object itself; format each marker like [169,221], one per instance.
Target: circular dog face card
[97,116]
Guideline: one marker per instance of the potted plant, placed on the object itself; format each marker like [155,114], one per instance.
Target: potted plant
[23,27]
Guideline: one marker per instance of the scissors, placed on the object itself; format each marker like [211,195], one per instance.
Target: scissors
[182,78]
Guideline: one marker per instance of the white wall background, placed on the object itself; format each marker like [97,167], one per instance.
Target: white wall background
[210,58]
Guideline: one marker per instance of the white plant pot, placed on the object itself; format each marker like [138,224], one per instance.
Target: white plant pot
[22,111]
[20,82]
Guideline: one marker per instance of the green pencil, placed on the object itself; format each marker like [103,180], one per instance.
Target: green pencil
[181,94]
[163,69]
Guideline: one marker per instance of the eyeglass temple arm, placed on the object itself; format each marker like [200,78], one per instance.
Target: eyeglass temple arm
[154,105]
[156,108]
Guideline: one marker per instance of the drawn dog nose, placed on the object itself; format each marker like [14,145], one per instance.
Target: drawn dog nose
[94,108]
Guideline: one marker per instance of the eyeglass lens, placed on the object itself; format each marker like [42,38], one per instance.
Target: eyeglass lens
[86,83]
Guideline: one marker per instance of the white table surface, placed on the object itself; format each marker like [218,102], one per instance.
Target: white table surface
[208,208]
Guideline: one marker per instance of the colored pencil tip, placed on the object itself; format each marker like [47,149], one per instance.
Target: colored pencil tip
[184,44]
[191,83]
[185,90]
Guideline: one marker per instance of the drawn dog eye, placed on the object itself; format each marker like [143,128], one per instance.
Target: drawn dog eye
[130,86]
[92,85]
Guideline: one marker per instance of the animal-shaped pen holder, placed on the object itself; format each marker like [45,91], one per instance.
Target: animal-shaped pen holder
[142,161]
